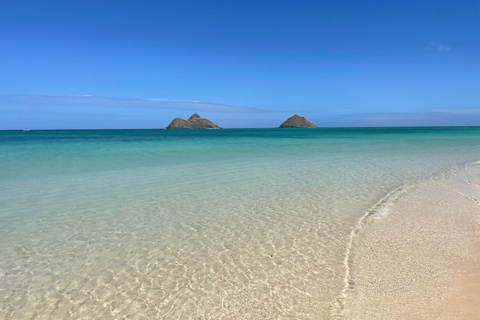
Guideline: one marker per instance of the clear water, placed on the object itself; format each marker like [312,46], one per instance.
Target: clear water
[233,223]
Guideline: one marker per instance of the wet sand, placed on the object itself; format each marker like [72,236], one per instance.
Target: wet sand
[421,260]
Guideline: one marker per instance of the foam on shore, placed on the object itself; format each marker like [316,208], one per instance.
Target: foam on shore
[421,261]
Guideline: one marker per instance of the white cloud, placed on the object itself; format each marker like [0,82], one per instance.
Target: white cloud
[439,46]
[130,103]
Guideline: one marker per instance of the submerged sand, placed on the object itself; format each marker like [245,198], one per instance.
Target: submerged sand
[421,260]
[415,255]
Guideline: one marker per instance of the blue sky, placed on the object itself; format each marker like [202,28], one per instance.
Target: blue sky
[138,64]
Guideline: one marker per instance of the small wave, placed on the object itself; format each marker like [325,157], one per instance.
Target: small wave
[378,211]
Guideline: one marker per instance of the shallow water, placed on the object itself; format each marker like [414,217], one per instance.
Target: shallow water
[233,223]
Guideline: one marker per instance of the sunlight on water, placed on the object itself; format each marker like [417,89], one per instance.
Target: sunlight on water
[230,223]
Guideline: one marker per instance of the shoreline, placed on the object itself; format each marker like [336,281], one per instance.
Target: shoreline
[381,206]
[420,259]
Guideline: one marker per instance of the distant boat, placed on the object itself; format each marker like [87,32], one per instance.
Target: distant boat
[26,129]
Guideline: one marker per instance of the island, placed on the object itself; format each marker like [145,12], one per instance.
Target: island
[297,122]
[194,122]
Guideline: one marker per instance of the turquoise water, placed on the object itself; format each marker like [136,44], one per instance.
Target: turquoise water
[232,223]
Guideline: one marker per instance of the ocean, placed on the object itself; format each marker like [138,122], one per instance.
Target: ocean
[200,224]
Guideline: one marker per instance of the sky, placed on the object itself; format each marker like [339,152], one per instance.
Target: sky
[138,64]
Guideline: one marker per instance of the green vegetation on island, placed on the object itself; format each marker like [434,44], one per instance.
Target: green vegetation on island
[194,122]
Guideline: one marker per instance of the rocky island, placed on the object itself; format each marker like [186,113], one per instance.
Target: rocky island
[297,122]
[194,122]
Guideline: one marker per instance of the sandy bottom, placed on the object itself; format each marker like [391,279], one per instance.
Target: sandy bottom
[417,257]
[421,260]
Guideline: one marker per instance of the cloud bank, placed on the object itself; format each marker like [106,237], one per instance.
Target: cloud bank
[130,103]
[91,112]
[437,118]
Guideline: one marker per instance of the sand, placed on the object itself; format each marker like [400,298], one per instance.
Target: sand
[421,260]
[464,300]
